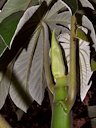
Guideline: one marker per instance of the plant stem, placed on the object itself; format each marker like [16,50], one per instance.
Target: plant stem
[60,117]
[48,74]
[72,75]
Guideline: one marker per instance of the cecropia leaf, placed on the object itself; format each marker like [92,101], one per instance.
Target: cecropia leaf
[55,8]
[26,32]
[10,24]
[36,77]
[61,20]
[84,54]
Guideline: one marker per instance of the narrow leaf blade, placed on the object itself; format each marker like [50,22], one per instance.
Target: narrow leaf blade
[36,87]
[22,70]
[8,27]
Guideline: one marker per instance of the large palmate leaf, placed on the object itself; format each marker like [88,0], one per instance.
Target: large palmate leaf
[85,70]
[56,20]
[5,84]
[26,31]
[23,64]
[36,77]
[8,26]
[31,76]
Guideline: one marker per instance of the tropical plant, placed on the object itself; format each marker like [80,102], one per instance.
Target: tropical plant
[46,46]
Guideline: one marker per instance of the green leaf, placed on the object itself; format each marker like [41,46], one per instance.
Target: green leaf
[73,4]
[8,27]
[93,65]
[26,31]
[13,6]
[81,35]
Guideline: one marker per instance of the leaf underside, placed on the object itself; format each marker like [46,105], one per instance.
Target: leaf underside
[22,70]
[85,69]
[36,78]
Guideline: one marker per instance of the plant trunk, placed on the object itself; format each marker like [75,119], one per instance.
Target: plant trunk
[60,119]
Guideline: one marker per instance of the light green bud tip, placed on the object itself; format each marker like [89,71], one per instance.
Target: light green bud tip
[56,58]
